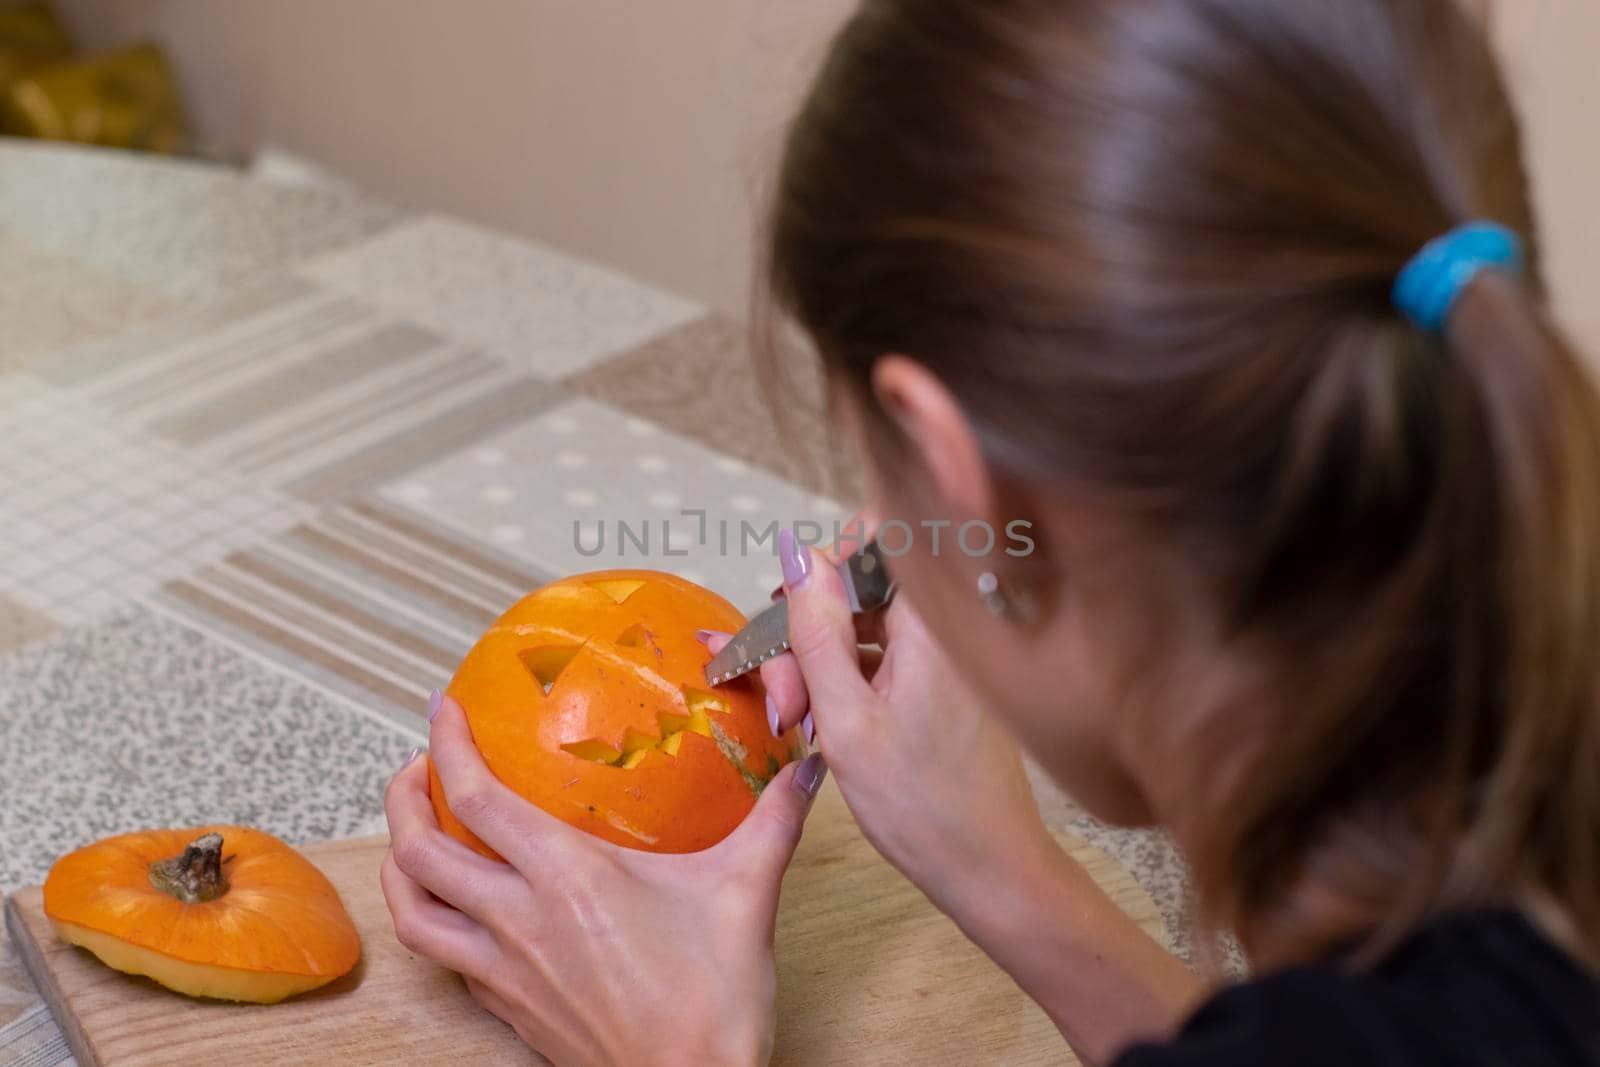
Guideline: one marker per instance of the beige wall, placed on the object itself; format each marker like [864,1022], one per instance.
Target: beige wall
[1552,50]
[630,131]
[636,132]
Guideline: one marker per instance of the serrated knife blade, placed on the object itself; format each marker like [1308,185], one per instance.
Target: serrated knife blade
[867,585]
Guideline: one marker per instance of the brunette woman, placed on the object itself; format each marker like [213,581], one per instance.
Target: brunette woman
[1237,302]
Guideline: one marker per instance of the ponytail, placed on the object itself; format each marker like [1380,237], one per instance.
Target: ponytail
[1534,816]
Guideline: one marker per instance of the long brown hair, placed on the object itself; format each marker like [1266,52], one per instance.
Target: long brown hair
[1150,244]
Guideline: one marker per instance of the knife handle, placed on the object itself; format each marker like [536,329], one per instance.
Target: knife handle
[867,583]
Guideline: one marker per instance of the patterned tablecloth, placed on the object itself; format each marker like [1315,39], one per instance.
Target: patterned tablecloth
[271,457]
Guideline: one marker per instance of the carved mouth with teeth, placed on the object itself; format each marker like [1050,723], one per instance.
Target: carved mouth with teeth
[636,745]
[546,662]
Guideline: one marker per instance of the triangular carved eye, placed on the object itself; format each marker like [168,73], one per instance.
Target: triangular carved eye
[618,589]
[546,662]
[632,637]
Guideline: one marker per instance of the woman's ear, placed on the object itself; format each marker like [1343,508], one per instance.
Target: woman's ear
[937,432]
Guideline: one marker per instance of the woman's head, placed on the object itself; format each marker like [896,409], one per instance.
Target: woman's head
[1124,270]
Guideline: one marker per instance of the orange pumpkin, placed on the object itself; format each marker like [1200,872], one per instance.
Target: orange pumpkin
[221,911]
[589,699]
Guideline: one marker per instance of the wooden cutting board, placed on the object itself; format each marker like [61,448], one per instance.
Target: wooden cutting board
[868,972]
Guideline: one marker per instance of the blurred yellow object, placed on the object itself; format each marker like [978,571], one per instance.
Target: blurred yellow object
[30,36]
[123,99]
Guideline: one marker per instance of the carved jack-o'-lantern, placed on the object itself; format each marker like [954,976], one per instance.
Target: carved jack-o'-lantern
[589,699]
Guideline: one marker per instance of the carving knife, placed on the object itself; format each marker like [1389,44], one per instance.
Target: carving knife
[867,584]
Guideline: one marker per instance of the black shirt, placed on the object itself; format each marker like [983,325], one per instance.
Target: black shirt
[1470,990]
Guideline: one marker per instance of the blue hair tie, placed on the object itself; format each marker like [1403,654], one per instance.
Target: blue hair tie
[1431,283]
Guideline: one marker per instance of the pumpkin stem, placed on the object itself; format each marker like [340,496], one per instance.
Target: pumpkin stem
[196,876]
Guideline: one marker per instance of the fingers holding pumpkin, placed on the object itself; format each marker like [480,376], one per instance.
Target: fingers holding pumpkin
[428,856]
[758,853]
[433,929]
[425,903]
[521,832]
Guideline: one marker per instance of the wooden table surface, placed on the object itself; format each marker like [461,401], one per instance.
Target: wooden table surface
[271,458]
[869,972]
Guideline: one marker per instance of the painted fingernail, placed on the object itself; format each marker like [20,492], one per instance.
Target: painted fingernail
[435,700]
[809,775]
[705,636]
[772,716]
[414,754]
[794,558]
[809,727]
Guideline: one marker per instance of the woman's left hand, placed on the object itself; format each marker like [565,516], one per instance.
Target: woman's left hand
[592,952]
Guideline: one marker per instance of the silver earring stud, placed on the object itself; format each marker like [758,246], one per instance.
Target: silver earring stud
[1011,605]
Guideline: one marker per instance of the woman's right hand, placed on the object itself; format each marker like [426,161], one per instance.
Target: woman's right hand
[936,784]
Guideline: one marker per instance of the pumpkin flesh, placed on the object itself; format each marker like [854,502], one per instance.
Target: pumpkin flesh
[588,698]
[190,979]
[278,929]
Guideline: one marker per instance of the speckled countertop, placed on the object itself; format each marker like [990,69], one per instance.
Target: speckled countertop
[271,457]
